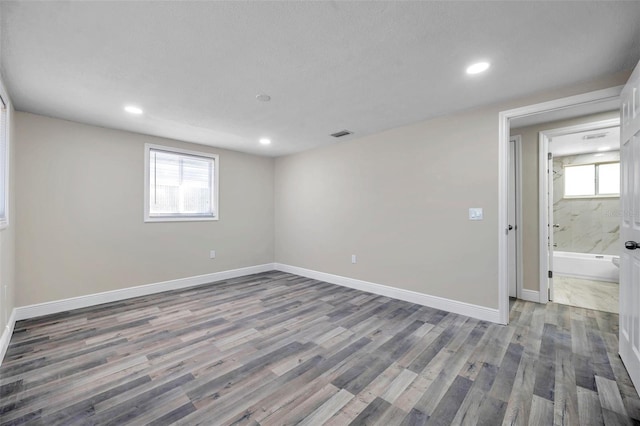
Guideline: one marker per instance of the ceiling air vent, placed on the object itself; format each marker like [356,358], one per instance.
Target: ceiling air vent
[595,136]
[341,133]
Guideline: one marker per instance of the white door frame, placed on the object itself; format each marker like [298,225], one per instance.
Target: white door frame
[517,140]
[545,205]
[504,118]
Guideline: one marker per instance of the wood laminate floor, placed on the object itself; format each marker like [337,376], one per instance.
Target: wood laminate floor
[276,348]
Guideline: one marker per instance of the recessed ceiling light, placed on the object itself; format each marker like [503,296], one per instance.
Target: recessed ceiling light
[478,67]
[265,141]
[604,148]
[263,98]
[133,109]
[598,155]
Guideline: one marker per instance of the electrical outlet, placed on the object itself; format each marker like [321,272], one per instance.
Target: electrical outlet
[212,254]
[353,258]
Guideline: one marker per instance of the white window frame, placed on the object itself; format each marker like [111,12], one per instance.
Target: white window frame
[4,156]
[147,181]
[596,167]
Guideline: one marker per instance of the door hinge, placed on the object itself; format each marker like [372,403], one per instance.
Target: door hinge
[549,294]
[549,156]
[550,274]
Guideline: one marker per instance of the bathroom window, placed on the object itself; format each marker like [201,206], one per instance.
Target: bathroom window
[592,180]
[180,185]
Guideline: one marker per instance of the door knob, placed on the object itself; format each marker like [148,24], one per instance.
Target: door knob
[556,225]
[510,227]
[631,245]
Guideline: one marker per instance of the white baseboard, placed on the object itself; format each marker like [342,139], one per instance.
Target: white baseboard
[462,308]
[6,335]
[47,308]
[609,278]
[530,295]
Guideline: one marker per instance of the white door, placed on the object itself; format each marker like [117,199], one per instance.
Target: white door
[550,224]
[630,227]
[513,225]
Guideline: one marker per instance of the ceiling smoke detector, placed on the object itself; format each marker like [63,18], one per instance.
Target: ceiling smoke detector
[341,133]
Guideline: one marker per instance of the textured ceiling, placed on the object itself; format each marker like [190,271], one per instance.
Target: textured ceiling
[196,67]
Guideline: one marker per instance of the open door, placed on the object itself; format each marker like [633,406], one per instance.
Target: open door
[513,231]
[550,225]
[629,339]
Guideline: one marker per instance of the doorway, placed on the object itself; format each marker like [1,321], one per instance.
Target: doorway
[582,102]
[580,212]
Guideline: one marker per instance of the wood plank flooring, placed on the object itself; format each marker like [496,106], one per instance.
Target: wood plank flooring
[275,349]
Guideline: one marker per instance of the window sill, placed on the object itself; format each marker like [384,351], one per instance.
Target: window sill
[181,219]
[583,197]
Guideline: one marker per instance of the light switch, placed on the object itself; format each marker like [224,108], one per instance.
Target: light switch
[475,213]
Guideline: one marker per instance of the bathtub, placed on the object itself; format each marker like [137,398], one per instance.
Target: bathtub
[598,267]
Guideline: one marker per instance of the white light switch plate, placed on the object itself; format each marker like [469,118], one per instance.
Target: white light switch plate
[475,213]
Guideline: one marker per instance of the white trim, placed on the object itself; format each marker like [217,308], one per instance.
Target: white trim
[544,206]
[4,220]
[519,264]
[6,335]
[503,219]
[503,183]
[594,125]
[543,219]
[32,311]
[520,260]
[530,295]
[462,308]
[214,189]
[47,308]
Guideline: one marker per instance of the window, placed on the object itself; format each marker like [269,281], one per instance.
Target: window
[592,180]
[4,166]
[180,185]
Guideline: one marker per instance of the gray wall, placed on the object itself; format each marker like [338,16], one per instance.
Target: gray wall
[80,204]
[587,225]
[399,200]
[530,192]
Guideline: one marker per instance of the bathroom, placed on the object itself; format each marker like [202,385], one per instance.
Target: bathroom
[586,218]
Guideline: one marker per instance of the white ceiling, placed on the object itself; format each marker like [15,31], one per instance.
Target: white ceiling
[565,113]
[575,143]
[196,67]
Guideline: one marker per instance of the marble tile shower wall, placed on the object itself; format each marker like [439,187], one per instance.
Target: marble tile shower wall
[587,225]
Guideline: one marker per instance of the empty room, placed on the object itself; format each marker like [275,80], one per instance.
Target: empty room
[328,212]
